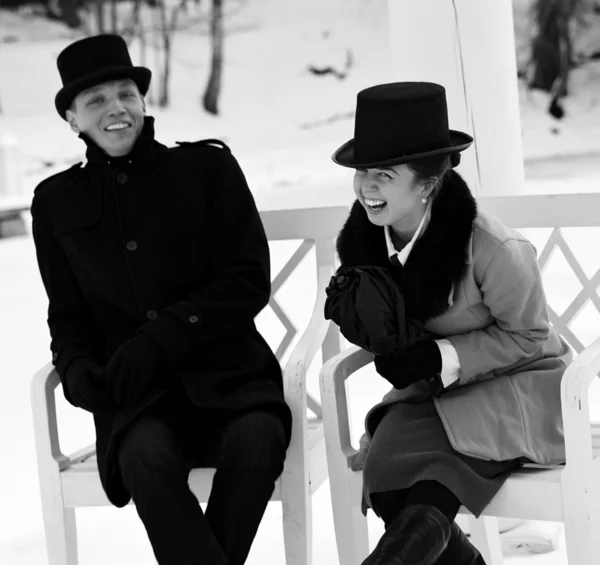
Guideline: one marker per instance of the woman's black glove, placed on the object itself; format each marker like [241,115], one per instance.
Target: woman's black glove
[420,361]
[85,386]
[135,368]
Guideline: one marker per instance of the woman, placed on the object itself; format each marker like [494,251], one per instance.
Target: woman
[489,357]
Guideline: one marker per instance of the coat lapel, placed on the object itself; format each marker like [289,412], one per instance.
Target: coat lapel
[438,259]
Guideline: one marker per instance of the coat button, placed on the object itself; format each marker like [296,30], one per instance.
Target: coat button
[151,314]
[193,319]
[131,245]
[121,178]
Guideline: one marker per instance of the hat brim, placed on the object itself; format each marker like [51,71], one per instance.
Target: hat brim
[344,156]
[140,75]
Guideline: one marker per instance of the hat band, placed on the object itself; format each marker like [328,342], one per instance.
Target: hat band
[366,152]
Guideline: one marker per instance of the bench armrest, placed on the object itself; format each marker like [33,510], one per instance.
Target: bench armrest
[45,425]
[312,340]
[333,398]
[319,334]
[575,386]
[576,382]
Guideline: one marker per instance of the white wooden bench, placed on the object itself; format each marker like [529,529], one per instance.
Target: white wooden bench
[569,493]
[71,481]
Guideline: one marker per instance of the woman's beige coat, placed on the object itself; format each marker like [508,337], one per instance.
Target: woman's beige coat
[476,282]
[506,403]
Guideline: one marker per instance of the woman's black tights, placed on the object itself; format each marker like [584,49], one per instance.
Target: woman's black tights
[387,505]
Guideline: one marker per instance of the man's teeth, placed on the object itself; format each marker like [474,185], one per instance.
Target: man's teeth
[120,125]
[374,203]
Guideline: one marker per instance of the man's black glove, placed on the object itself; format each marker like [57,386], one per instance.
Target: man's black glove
[420,361]
[135,368]
[85,384]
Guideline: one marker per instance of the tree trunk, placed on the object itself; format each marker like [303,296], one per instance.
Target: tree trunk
[165,66]
[163,96]
[167,29]
[157,70]
[0,108]
[210,99]
[114,16]
[132,28]
[69,13]
[552,52]
[100,16]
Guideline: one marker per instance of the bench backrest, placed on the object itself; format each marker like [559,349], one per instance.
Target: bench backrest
[564,229]
[314,230]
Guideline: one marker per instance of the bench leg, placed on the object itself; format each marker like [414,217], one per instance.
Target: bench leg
[61,531]
[351,531]
[485,536]
[297,520]
[579,541]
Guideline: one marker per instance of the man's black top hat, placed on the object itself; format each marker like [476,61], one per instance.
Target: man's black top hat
[94,60]
[398,123]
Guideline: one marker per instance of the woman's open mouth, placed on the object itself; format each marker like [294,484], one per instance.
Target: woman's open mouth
[374,206]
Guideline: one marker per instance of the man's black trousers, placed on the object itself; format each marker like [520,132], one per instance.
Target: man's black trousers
[156,455]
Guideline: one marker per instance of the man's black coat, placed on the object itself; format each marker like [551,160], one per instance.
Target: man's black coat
[166,241]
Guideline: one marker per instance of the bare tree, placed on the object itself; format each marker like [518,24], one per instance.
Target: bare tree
[99,7]
[166,26]
[552,53]
[133,25]
[213,88]
[1,108]
[114,16]
[69,12]
[552,50]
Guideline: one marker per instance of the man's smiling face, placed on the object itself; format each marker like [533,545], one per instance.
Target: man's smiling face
[111,114]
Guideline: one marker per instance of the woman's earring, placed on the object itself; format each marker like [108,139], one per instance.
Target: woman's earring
[424,200]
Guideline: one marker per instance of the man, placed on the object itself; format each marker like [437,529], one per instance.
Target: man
[156,263]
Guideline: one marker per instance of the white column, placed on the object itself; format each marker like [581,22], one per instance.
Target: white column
[10,168]
[468,47]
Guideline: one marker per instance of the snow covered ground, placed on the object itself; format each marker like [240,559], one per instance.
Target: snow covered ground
[283,124]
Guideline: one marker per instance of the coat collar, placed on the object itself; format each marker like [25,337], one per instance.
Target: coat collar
[438,259]
[403,254]
[142,150]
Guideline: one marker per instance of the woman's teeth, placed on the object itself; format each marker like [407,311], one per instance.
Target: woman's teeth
[375,204]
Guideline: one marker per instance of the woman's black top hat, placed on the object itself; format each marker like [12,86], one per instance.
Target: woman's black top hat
[398,123]
[94,60]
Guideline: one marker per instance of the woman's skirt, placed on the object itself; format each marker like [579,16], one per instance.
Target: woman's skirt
[410,445]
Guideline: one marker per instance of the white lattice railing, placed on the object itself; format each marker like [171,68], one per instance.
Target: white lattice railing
[587,295]
[314,230]
[279,280]
[563,228]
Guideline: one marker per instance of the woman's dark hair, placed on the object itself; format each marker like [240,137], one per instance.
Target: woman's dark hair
[434,167]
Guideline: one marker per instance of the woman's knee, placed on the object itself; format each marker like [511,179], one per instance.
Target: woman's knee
[434,493]
[388,504]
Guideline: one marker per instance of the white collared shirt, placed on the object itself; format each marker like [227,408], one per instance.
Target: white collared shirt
[450,362]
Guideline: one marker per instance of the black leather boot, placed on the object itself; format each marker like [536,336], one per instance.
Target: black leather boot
[459,551]
[418,536]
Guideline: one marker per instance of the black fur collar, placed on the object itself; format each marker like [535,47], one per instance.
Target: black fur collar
[438,258]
